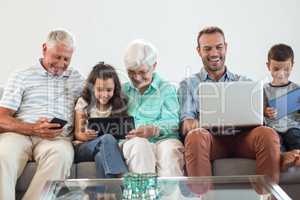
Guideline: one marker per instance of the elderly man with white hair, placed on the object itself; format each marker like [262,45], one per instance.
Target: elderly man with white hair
[153,146]
[32,97]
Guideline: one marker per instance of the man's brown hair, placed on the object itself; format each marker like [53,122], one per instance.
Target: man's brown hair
[209,30]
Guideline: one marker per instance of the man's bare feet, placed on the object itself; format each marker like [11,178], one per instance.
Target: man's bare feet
[290,159]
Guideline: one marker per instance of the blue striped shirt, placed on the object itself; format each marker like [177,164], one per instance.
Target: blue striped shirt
[188,91]
[34,93]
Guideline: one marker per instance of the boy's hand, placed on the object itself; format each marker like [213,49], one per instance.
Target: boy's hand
[270,112]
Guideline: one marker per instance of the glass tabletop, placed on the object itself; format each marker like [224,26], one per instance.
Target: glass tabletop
[254,187]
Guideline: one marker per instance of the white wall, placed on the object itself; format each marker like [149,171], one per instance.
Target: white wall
[103,28]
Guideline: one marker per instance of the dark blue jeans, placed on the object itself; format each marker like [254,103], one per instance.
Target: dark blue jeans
[105,152]
[290,139]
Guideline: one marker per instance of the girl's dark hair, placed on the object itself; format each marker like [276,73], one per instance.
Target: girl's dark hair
[118,100]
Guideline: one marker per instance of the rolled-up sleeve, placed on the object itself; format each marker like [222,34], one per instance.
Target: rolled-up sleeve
[13,93]
[188,105]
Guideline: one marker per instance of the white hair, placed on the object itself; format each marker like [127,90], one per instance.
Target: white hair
[140,52]
[60,35]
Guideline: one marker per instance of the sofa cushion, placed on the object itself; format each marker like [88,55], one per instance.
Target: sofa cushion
[29,171]
[233,166]
[86,170]
[243,166]
[25,178]
[291,176]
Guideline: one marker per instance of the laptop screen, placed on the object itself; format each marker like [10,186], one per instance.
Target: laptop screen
[225,106]
[116,126]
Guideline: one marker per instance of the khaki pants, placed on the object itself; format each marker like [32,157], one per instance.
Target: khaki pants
[53,158]
[164,157]
[260,143]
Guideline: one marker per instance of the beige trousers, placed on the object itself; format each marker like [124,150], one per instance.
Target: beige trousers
[164,157]
[53,158]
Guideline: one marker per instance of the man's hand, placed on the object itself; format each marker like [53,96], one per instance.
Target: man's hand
[143,131]
[42,128]
[270,112]
[188,125]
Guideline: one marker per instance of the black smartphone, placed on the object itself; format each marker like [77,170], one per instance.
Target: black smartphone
[59,121]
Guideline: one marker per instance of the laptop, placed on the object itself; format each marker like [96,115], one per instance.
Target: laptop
[286,104]
[227,108]
[119,127]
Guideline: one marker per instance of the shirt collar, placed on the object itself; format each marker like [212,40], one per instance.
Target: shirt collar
[42,71]
[203,75]
[155,81]
[154,84]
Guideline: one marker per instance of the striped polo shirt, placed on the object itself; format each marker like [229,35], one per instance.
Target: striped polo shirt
[34,93]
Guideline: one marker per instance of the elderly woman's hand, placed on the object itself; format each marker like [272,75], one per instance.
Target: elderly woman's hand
[143,131]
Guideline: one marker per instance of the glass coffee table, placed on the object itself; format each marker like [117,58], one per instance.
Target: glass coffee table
[170,188]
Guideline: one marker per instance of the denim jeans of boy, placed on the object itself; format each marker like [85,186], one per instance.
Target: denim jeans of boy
[105,151]
[291,139]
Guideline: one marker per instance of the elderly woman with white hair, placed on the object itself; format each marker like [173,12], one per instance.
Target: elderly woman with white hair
[153,146]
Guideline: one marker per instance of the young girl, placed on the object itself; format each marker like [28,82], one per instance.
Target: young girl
[101,97]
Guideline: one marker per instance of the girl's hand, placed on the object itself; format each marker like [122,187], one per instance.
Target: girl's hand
[143,131]
[270,112]
[89,135]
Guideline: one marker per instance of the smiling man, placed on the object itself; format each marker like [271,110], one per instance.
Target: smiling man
[201,146]
[33,97]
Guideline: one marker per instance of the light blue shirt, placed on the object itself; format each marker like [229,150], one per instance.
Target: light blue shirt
[157,106]
[34,93]
[188,91]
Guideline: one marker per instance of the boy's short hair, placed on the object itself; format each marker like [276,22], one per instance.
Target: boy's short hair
[281,52]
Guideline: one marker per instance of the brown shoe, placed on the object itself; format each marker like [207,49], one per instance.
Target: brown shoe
[289,159]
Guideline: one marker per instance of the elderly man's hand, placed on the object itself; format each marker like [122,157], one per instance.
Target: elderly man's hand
[143,131]
[42,128]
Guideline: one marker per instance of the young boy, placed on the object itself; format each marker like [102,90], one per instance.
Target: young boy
[280,64]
